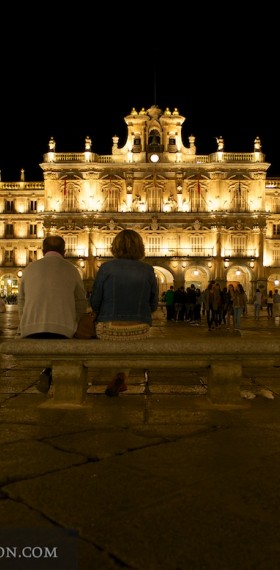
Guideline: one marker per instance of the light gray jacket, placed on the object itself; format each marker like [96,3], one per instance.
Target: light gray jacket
[51,297]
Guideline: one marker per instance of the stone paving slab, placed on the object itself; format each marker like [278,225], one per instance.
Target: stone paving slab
[24,459]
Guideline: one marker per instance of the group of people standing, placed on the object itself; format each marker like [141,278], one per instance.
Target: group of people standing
[220,306]
[225,306]
[183,304]
[272,303]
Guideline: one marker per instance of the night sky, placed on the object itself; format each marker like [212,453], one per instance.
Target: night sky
[75,77]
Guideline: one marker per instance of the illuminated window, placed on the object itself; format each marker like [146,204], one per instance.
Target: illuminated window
[9,256]
[33,230]
[276,230]
[276,204]
[9,232]
[71,246]
[33,206]
[32,255]
[9,206]
[154,199]
[238,245]
[197,245]
[153,245]
[112,200]
[276,254]
[107,243]
[240,198]
[197,198]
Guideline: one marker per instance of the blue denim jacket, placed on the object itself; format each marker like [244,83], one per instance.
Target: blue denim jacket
[125,290]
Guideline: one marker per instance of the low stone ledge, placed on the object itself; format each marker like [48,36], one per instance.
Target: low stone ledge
[223,359]
[219,346]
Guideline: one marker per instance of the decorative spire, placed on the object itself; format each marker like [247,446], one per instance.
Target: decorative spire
[257,144]
[52,144]
[88,143]
[220,142]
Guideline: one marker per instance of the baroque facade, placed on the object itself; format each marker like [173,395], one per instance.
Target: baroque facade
[201,217]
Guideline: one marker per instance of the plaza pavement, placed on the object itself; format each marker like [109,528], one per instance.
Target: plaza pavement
[161,481]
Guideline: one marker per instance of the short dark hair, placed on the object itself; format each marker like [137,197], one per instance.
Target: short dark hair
[128,244]
[54,243]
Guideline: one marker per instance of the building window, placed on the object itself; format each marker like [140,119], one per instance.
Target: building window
[172,145]
[276,254]
[238,245]
[9,206]
[276,230]
[9,256]
[105,250]
[197,245]
[33,205]
[70,203]
[32,255]
[154,199]
[33,230]
[107,245]
[112,200]
[153,245]
[197,201]
[136,145]
[9,233]
[276,205]
[240,198]
[71,246]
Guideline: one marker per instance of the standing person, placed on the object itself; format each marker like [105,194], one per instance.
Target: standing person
[124,296]
[245,308]
[208,297]
[224,304]
[51,299]
[2,305]
[269,305]
[257,304]
[276,303]
[197,308]
[217,305]
[162,298]
[190,303]
[180,303]
[229,306]
[169,302]
[239,303]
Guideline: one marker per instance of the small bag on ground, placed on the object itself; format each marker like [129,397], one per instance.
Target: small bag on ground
[86,326]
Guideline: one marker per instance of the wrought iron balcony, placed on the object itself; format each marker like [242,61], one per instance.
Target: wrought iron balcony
[166,252]
[75,252]
[242,252]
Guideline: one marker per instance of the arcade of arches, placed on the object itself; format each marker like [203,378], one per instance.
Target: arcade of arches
[198,275]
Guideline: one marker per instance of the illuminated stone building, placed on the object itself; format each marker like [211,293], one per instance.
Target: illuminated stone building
[202,217]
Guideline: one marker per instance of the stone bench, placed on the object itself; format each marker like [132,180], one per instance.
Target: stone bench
[222,359]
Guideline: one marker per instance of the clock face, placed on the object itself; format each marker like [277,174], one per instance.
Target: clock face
[154,158]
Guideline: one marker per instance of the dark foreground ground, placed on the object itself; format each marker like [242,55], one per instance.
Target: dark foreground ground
[161,481]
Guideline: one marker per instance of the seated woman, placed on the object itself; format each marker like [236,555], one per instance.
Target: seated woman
[124,296]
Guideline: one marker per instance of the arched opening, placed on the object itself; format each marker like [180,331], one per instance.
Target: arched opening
[9,285]
[164,279]
[198,276]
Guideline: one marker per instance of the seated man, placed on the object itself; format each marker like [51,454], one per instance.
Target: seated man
[51,299]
